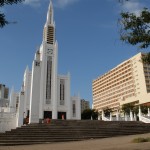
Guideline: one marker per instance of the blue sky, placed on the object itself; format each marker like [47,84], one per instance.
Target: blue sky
[87,32]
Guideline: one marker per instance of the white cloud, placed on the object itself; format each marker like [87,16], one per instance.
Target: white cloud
[35,3]
[57,3]
[64,3]
[133,6]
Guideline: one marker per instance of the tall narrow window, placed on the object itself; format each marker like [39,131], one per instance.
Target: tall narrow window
[62,91]
[49,80]
[74,109]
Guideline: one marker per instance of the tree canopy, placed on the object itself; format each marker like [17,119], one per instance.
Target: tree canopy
[88,113]
[135,30]
[107,111]
[126,108]
[3,20]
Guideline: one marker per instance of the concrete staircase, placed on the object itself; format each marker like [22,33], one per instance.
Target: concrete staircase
[70,130]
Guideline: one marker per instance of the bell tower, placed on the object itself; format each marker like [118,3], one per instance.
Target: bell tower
[48,96]
[49,28]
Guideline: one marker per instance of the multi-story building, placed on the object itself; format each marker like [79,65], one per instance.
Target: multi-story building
[84,105]
[4,93]
[129,82]
[44,93]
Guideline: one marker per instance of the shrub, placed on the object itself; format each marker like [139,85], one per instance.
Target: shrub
[141,140]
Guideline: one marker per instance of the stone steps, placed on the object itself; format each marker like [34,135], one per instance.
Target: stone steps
[73,131]
[70,130]
[108,133]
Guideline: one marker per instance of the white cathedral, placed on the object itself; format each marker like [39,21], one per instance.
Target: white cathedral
[44,93]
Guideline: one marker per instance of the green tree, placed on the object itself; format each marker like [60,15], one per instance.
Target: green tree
[144,109]
[126,108]
[88,113]
[94,114]
[107,111]
[135,30]
[146,58]
[3,20]
[136,109]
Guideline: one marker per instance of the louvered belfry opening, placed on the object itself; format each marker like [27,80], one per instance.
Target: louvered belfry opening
[50,35]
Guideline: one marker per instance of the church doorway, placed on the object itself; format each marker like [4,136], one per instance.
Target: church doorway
[47,114]
[26,118]
[61,115]
[28,113]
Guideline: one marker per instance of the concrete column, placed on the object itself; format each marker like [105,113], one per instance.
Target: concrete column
[78,108]
[35,93]
[103,115]
[110,116]
[99,116]
[125,116]
[43,80]
[68,98]
[140,113]
[131,116]
[26,88]
[54,84]
[135,117]
[117,115]
[11,104]
[21,110]
[148,112]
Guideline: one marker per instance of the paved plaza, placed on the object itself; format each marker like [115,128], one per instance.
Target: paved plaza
[115,143]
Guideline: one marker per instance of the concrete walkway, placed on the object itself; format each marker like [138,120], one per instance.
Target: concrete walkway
[116,143]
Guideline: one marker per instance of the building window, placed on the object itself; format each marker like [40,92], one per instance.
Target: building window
[37,63]
[49,80]
[62,91]
[74,110]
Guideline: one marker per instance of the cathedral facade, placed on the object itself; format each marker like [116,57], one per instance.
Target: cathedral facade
[44,93]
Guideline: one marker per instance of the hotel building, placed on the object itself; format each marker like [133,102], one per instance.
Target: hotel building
[129,82]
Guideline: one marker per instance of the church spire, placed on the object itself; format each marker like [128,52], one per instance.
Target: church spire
[49,28]
[50,14]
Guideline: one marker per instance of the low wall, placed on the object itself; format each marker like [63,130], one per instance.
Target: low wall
[7,121]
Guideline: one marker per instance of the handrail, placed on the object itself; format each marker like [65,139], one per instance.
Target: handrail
[144,119]
[105,119]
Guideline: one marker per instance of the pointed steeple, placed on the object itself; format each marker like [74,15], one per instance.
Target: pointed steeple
[50,14]
[49,28]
